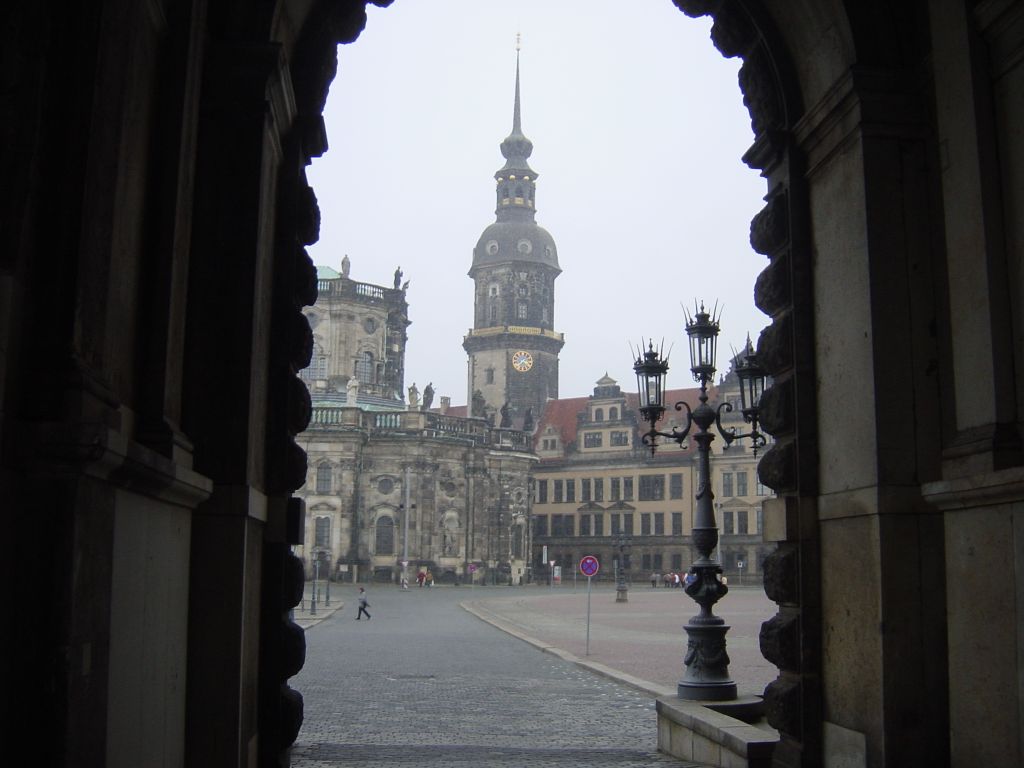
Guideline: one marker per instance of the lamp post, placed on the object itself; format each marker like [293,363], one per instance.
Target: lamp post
[405,508]
[621,585]
[707,663]
[316,576]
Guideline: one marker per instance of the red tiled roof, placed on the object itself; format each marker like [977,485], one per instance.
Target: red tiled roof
[562,414]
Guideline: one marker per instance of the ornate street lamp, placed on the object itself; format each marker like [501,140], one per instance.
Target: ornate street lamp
[707,663]
[621,585]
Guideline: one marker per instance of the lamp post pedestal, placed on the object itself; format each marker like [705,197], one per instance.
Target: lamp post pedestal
[621,592]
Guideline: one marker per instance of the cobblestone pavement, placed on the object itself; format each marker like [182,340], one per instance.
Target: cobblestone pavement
[643,638]
[425,683]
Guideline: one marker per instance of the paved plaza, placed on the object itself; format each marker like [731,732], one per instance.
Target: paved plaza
[427,683]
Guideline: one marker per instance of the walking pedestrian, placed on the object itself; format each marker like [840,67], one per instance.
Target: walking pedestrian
[420,577]
[654,578]
[363,605]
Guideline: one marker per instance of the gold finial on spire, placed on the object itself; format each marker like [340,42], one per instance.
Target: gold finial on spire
[519,41]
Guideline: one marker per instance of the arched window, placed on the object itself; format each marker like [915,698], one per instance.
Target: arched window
[599,414]
[385,539]
[364,368]
[322,536]
[613,414]
[317,368]
[323,478]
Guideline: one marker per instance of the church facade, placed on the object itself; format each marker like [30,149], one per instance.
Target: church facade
[395,487]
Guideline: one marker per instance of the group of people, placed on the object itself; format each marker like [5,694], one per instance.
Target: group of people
[671,579]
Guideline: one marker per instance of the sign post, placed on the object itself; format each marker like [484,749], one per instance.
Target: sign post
[589,566]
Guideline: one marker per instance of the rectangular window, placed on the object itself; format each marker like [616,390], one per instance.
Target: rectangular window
[599,525]
[616,522]
[323,478]
[677,562]
[558,491]
[646,562]
[741,521]
[562,525]
[584,525]
[627,489]
[616,489]
[585,490]
[759,521]
[761,489]
[727,526]
[657,561]
[570,490]
[619,438]
[659,523]
[645,525]
[652,487]
[727,484]
[542,491]
[322,537]
[675,485]
[592,439]
[540,525]
[598,489]
[741,483]
[490,373]
[522,310]
[627,523]
[677,523]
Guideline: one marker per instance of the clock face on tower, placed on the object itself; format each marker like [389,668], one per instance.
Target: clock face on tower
[522,361]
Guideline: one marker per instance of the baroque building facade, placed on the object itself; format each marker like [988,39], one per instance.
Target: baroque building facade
[395,487]
[599,490]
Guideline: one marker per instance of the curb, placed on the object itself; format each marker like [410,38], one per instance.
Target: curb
[489,617]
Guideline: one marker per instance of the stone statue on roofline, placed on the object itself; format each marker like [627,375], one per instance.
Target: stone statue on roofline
[506,416]
[351,391]
[428,396]
[346,265]
[414,397]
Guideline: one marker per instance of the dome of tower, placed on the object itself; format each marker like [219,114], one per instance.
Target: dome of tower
[515,241]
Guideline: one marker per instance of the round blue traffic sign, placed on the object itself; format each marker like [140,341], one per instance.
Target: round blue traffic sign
[589,565]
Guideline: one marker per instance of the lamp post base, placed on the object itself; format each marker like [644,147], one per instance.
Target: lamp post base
[707,665]
[621,593]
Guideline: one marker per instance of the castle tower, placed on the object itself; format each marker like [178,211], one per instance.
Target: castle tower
[512,347]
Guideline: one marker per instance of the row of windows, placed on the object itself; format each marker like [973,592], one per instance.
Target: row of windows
[652,488]
[522,312]
[596,439]
[736,522]
[365,368]
[651,524]
[654,562]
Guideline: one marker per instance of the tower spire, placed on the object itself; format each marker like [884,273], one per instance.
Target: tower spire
[517,128]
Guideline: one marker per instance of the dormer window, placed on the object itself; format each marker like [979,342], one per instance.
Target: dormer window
[599,414]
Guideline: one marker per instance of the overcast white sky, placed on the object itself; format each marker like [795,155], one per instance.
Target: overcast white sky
[638,127]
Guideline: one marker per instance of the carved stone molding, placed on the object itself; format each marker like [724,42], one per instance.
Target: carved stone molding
[760,94]
[782,704]
[305,283]
[307,225]
[774,347]
[777,468]
[781,571]
[780,640]
[769,229]
[301,340]
[772,291]
[733,34]
[777,412]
